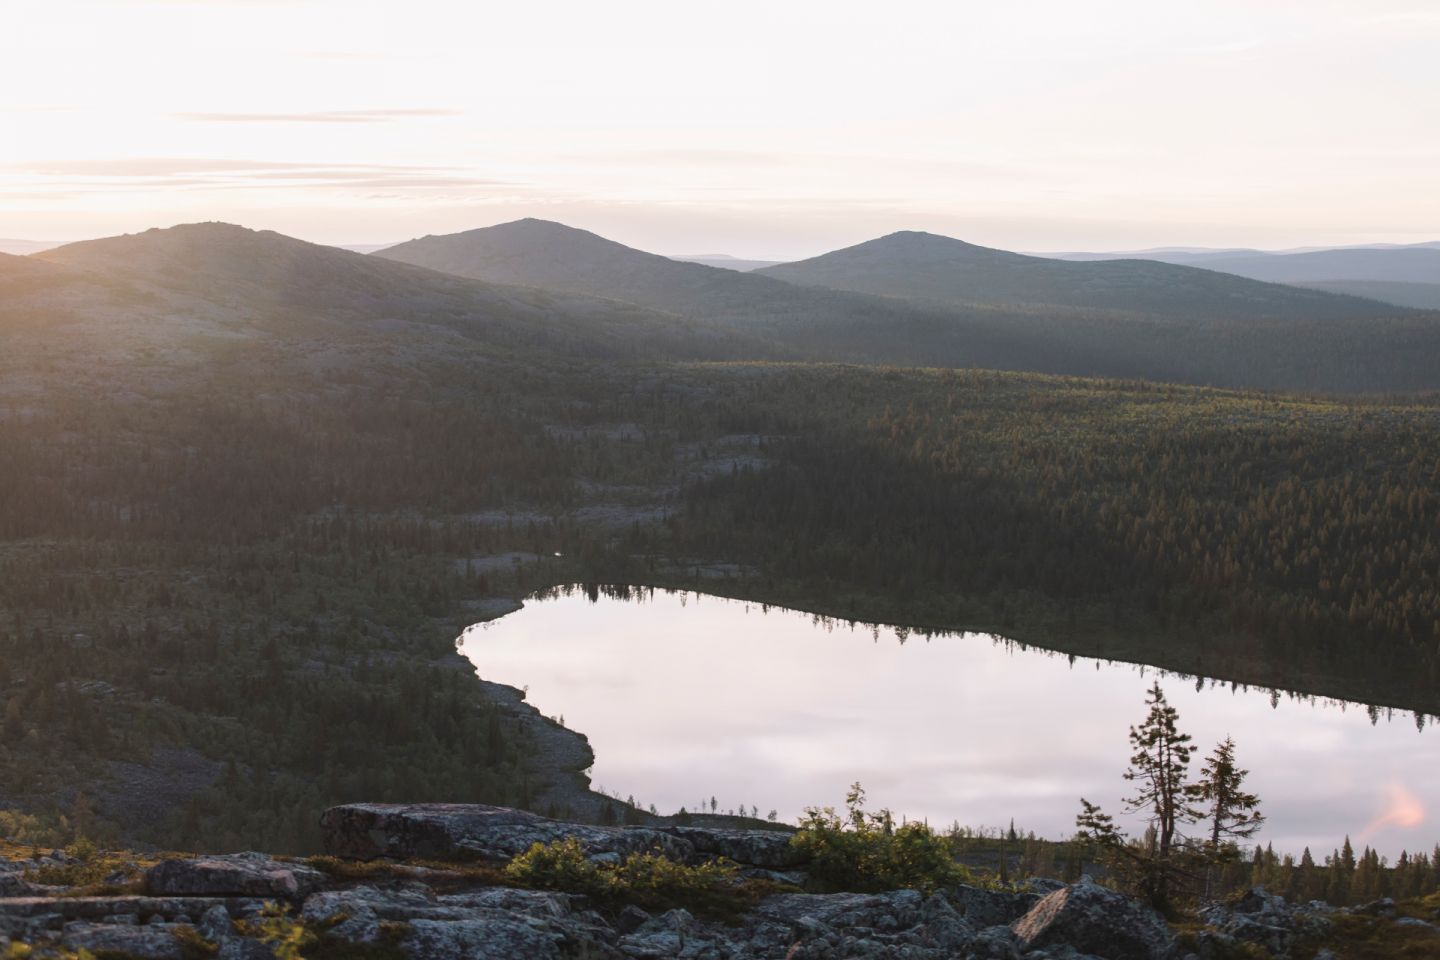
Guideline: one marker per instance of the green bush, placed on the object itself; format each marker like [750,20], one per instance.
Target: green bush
[647,880]
[866,852]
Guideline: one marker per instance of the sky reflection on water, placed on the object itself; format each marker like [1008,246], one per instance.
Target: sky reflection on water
[686,696]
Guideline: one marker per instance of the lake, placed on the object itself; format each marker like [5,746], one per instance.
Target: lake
[686,696]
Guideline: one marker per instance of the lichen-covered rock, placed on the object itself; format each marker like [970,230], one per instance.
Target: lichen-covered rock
[158,941]
[883,912]
[770,849]
[453,831]
[499,939]
[537,904]
[1093,919]
[1266,920]
[238,875]
[995,943]
[987,908]
[942,925]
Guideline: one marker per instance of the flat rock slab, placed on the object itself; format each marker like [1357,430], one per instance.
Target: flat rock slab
[453,831]
[95,908]
[154,942]
[240,875]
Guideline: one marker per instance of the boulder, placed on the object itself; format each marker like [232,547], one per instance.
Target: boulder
[1092,919]
[454,831]
[238,875]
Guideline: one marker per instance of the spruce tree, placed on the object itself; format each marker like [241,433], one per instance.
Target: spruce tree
[1232,813]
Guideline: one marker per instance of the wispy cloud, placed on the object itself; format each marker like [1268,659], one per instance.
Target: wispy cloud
[322,116]
[186,173]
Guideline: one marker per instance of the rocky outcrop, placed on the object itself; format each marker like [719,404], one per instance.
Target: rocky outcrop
[226,907]
[1264,920]
[472,832]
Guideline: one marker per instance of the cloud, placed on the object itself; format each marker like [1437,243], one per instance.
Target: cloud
[322,116]
[151,173]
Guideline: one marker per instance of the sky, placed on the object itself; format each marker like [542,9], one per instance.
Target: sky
[758,129]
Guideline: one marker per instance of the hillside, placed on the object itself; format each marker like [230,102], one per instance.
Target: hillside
[924,266]
[1177,324]
[1417,296]
[553,256]
[24,274]
[199,286]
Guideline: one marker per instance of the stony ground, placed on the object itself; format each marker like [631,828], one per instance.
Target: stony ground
[393,888]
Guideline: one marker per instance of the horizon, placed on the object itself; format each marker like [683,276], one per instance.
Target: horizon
[1220,127]
[368,247]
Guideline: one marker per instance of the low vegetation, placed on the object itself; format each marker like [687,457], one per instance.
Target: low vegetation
[864,851]
[648,880]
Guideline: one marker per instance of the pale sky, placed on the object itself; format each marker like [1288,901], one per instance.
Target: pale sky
[768,129]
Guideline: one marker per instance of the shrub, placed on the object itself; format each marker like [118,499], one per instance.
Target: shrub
[647,880]
[866,852]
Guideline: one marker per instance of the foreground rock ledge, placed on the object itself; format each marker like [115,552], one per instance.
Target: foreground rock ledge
[431,912]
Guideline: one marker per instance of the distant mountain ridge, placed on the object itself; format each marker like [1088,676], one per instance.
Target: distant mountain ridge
[727,262]
[546,290]
[22,248]
[553,256]
[217,281]
[929,267]
[1406,275]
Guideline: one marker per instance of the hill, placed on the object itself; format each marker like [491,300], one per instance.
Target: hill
[553,256]
[925,266]
[198,286]
[1128,319]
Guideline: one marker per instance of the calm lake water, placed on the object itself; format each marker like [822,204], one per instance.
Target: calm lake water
[686,696]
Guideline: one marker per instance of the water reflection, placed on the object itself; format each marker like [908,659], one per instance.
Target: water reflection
[686,697]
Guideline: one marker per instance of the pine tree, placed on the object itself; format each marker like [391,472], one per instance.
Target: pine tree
[1160,765]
